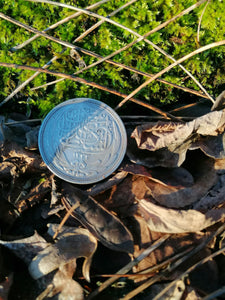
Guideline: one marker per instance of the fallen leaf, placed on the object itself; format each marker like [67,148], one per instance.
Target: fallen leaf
[175,188]
[177,221]
[71,244]
[26,249]
[100,222]
[212,146]
[27,161]
[176,244]
[177,177]
[219,103]
[204,176]
[36,194]
[61,285]
[177,138]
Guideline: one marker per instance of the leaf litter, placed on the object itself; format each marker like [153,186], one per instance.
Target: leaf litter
[178,197]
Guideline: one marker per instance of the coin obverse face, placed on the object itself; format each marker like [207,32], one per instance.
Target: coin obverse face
[82,140]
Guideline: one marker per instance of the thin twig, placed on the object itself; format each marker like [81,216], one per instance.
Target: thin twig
[90,83]
[22,121]
[140,38]
[200,20]
[109,16]
[173,267]
[189,270]
[69,212]
[65,20]
[90,53]
[103,59]
[219,231]
[202,49]
[20,87]
[129,266]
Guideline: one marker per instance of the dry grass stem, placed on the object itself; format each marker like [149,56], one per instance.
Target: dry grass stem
[197,93]
[69,212]
[77,14]
[171,268]
[129,266]
[202,49]
[140,38]
[93,84]
[20,87]
[200,20]
[189,270]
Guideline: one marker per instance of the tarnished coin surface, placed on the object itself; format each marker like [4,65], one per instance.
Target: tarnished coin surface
[82,140]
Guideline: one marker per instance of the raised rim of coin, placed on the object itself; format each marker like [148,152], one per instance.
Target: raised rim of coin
[82,140]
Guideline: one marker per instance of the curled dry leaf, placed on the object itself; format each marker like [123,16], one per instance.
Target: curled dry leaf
[175,188]
[213,198]
[71,244]
[176,138]
[177,221]
[62,285]
[220,102]
[99,221]
[26,249]
[205,176]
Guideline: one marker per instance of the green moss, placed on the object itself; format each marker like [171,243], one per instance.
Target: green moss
[178,39]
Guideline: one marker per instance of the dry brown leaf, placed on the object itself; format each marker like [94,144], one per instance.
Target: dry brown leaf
[220,101]
[144,237]
[62,286]
[159,158]
[205,176]
[164,186]
[212,146]
[177,177]
[177,138]
[99,221]
[72,243]
[213,198]
[27,161]
[177,221]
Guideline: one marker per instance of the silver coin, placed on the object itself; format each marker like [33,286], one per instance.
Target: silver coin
[82,140]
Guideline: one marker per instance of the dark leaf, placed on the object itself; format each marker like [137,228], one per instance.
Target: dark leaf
[26,249]
[101,223]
